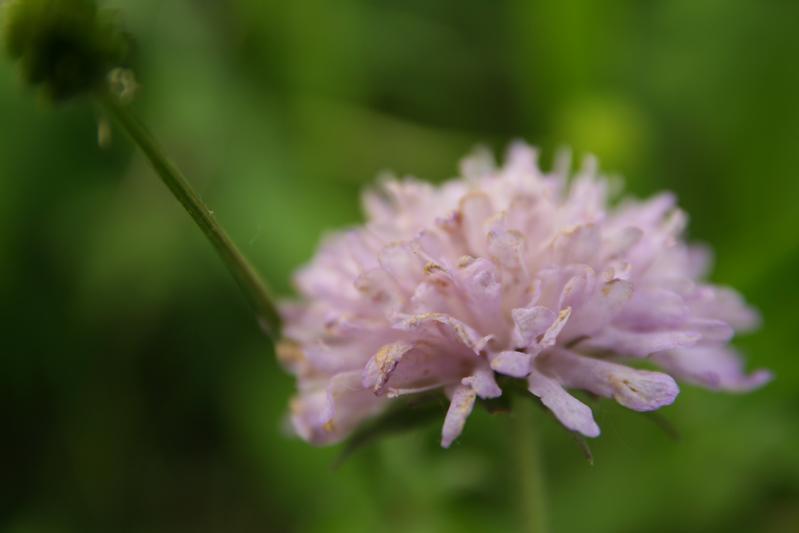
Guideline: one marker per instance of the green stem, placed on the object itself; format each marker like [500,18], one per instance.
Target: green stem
[245,274]
[527,451]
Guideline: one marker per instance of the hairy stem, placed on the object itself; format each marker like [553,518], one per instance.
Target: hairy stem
[527,451]
[245,274]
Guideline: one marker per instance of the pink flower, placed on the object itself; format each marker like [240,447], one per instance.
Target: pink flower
[507,271]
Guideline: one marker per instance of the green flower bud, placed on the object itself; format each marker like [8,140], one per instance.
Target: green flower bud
[66,47]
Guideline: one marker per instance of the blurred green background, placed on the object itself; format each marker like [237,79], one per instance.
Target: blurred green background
[138,395]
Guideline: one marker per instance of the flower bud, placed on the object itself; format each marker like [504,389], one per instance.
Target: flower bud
[65,47]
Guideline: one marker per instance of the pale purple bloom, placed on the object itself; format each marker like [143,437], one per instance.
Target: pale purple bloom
[508,271]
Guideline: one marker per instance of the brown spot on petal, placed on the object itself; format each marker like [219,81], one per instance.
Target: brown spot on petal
[415,320]
[617,291]
[432,267]
[329,426]
[332,326]
[383,358]
[452,223]
[621,386]
[290,354]
[467,406]
[386,360]
[465,260]
[462,334]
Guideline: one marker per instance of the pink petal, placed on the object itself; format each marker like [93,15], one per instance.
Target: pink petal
[530,322]
[713,367]
[571,412]
[510,363]
[579,287]
[404,266]
[640,343]
[441,326]
[551,334]
[329,414]
[459,410]
[506,247]
[482,381]
[711,330]
[726,305]
[653,308]
[578,244]
[425,367]
[478,163]
[521,158]
[640,390]
[475,209]
[618,244]
[379,290]
[379,368]
[479,280]
[599,310]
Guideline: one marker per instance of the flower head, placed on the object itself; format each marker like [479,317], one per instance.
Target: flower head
[507,271]
[64,46]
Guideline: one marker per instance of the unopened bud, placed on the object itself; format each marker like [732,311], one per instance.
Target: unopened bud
[65,47]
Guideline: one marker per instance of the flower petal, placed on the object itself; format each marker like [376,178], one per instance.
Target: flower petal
[510,363]
[578,289]
[713,367]
[327,415]
[551,334]
[440,325]
[711,330]
[478,163]
[651,308]
[571,412]
[382,364]
[482,381]
[727,305]
[618,244]
[599,310]
[459,410]
[577,244]
[530,322]
[640,343]
[506,247]
[481,286]
[640,390]
[379,290]
[475,208]
[479,278]
[426,367]
[404,266]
